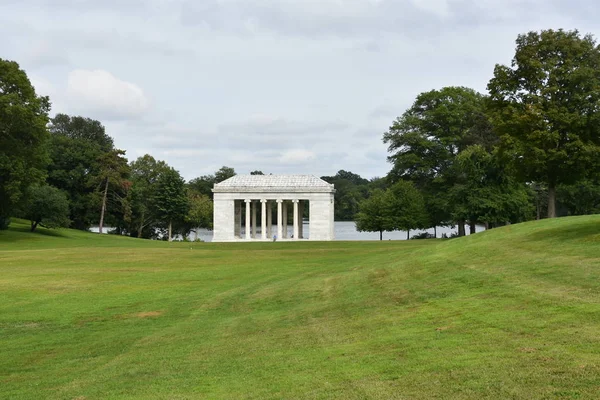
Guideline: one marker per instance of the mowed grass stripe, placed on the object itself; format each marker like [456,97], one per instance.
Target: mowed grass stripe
[509,313]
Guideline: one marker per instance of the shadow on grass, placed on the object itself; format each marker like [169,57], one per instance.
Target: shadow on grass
[20,231]
[588,230]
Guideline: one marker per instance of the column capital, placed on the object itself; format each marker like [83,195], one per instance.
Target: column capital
[279,200]
[295,201]
[248,201]
[263,200]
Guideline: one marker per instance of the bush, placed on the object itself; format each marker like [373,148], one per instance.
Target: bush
[423,235]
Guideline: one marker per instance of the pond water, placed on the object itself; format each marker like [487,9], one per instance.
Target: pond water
[344,230]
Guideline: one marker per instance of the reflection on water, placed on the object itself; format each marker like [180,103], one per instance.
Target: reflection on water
[344,230]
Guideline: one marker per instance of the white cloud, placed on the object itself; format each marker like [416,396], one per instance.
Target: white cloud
[101,94]
[297,156]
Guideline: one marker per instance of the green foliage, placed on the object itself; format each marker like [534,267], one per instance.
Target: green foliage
[486,190]
[23,137]
[350,190]
[579,198]
[76,147]
[113,185]
[200,213]
[256,173]
[407,207]
[400,207]
[547,107]
[224,173]
[169,200]
[145,174]
[428,137]
[46,206]
[205,183]
[375,214]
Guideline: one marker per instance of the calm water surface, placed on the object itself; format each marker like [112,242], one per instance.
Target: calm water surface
[344,230]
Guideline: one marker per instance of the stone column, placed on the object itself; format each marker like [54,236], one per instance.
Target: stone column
[285,221]
[296,229]
[279,218]
[248,218]
[237,221]
[301,219]
[269,219]
[253,219]
[263,219]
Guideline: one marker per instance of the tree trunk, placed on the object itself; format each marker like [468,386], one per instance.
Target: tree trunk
[461,227]
[408,234]
[551,201]
[472,228]
[139,235]
[380,235]
[435,232]
[196,235]
[170,230]
[487,225]
[34,225]
[103,207]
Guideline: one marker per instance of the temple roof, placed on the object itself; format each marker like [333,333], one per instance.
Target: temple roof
[265,182]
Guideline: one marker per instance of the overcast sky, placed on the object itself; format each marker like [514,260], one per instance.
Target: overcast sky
[283,86]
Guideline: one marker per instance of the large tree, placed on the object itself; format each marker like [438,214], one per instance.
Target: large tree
[425,141]
[112,179]
[547,107]
[169,200]
[375,214]
[46,206]
[407,207]
[486,190]
[200,213]
[76,146]
[145,173]
[23,137]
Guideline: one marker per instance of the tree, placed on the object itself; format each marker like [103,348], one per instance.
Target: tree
[23,137]
[169,200]
[374,213]
[579,198]
[407,207]
[350,190]
[76,146]
[114,172]
[205,183]
[256,173]
[487,191]
[46,206]
[81,128]
[145,173]
[426,139]
[224,173]
[547,107]
[200,214]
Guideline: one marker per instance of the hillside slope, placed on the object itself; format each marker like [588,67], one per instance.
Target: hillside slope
[509,313]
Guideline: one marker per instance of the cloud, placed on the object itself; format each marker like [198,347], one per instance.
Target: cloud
[297,156]
[101,94]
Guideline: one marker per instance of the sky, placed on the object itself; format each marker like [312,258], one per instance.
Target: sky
[281,86]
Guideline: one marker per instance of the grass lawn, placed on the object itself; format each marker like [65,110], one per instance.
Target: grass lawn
[512,313]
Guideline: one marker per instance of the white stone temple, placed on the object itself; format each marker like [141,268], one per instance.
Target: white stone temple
[244,206]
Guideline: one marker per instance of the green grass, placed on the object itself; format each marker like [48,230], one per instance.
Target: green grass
[512,313]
